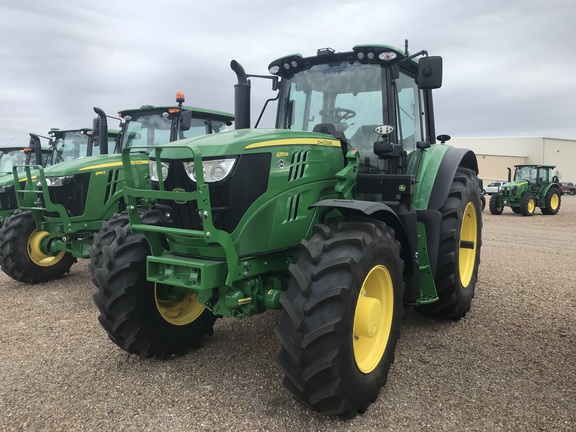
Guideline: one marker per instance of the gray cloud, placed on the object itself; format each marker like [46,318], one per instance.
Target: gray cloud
[506,64]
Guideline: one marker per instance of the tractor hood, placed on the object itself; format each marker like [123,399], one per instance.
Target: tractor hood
[244,141]
[88,164]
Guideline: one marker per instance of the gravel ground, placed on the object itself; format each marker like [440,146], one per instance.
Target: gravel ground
[509,365]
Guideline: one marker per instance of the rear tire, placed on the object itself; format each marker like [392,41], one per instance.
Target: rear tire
[527,205]
[459,249]
[20,254]
[341,318]
[496,207]
[552,201]
[142,317]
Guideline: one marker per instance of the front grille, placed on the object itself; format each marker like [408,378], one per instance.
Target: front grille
[8,198]
[230,198]
[72,195]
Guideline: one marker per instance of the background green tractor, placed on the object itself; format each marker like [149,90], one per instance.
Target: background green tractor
[533,186]
[341,216]
[62,145]
[19,240]
[62,206]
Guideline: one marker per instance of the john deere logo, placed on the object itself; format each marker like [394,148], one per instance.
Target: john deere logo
[179,201]
[402,188]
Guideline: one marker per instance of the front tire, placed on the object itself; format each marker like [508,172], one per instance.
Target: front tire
[21,257]
[142,317]
[103,238]
[459,249]
[496,206]
[341,318]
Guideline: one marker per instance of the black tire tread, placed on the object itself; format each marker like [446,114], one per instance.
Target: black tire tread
[311,331]
[127,307]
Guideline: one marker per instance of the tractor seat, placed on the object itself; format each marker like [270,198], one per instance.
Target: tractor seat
[330,129]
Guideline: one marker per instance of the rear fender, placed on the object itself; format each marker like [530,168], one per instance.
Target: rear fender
[436,172]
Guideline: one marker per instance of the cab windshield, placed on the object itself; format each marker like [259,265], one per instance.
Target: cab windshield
[353,98]
[11,159]
[347,96]
[70,145]
[149,130]
[532,174]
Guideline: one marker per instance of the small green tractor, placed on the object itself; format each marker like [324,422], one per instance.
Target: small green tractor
[342,215]
[533,186]
[62,206]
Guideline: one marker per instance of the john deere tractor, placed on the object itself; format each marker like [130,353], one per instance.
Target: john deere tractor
[533,186]
[342,215]
[61,207]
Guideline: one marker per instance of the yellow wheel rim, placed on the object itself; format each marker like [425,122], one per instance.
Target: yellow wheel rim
[181,310]
[531,206]
[554,201]
[373,318]
[35,253]
[468,244]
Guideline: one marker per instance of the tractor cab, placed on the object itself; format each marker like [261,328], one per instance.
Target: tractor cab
[66,145]
[536,175]
[374,99]
[149,125]
[20,156]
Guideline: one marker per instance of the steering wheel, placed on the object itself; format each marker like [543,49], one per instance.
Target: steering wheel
[338,114]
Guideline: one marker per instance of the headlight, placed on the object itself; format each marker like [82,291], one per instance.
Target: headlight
[58,181]
[214,170]
[154,170]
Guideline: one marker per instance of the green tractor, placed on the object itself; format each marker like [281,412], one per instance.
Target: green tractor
[62,145]
[61,207]
[341,216]
[533,186]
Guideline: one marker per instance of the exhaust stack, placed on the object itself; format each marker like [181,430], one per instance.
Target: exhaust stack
[241,97]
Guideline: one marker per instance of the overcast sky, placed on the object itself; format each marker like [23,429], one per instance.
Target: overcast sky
[509,66]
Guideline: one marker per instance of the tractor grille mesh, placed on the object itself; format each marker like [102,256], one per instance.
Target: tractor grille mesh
[71,195]
[230,198]
[8,198]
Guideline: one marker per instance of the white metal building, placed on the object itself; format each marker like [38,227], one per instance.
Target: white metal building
[496,154]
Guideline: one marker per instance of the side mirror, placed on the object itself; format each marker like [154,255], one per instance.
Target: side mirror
[430,73]
[555,179]
[185,120]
